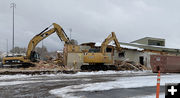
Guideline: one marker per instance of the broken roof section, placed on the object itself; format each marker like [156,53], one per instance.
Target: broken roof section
[98,44]
[131,47]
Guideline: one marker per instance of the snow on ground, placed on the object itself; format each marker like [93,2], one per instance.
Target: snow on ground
[161,95]
[27,82]
[132,47]
[6,77]
[16,83]
[19,76]
[108,72]
[121,82]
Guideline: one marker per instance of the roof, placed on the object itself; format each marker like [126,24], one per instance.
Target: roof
[149,38]
[152,47]
[131,47]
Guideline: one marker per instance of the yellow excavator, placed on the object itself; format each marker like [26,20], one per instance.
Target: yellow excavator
[100,59]
[31,55]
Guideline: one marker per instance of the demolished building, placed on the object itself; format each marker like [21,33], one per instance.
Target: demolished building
[145,47]
[138,51]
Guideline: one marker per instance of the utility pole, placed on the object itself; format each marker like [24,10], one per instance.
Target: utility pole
[70,30]
[13,5]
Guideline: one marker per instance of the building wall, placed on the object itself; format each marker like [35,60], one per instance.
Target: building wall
[129,55]
[134,55]
[75,60]
[147,56]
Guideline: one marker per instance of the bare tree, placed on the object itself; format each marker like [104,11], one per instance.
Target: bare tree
[18,50]
[43,52]
[0,56]
[74,42]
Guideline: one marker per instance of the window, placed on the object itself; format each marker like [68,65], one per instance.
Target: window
[122,54]
[156,42]
[108,49]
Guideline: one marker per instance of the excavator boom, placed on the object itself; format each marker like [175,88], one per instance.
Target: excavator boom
[110,38]
[39,37]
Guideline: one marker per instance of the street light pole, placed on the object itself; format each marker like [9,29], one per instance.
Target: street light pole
[70,30]
[13,5]
[7,46]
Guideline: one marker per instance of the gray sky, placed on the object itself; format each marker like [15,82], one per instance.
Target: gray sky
[91,20]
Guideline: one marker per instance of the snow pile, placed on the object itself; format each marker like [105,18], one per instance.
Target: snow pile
[132,47]
[122,82]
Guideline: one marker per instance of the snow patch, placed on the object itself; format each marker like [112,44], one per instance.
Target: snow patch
[132,47]
[121,82]
[16,83]
[6,77]
[26,82]
[98,44]
[161,95]
[110,72]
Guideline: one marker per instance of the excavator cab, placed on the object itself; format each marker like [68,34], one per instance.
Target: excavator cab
[34,57]
[94,50]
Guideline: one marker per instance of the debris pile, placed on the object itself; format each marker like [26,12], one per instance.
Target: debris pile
[129,65]
[45,65]
[50,63]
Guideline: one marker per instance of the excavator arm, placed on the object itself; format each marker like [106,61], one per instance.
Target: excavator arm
[110,38]
[44,34]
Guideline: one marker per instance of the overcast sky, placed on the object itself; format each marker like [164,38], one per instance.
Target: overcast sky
[91,20]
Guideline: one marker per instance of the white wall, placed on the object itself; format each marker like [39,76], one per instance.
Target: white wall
[75,60]
[133,55]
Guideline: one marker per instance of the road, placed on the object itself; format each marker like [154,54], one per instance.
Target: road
[101,84]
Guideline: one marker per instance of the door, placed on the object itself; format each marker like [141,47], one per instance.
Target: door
[141,60]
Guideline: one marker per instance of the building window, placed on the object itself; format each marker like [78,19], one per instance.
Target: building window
[122,54]
[156,43]
[108,49]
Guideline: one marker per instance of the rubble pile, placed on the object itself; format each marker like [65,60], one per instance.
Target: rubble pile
[50,63]
[45,65]
[129,65]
